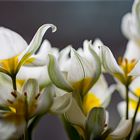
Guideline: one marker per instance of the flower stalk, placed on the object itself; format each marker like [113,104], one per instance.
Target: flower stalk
[134,119]
[14,82]
[127,102]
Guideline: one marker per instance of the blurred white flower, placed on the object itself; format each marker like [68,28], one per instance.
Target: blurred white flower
[131,29]
[120,70]
[134,94]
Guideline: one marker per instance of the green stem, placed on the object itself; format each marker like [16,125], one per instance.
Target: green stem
[14,82]
[134,118]
[26,137]
[127,102]
[26,132]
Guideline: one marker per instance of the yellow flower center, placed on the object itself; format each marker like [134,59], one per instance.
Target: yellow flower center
[126,65]
[20,107]
[90,101]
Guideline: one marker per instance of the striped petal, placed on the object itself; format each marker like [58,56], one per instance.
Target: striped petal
[56,75]
[35,43]
[74,115]
[110,65]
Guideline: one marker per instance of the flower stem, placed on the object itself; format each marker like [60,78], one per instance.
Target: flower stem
[134,118]
[14,82]
[127,103]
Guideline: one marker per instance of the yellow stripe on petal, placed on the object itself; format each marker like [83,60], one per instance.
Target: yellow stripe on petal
[90,101]
[83,86]
[10,64]
[30,60]
[12,109]
[20,83]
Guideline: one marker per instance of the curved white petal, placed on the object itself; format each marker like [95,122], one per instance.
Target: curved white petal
[41,58]
[128,26]
[38,73]
[35,43]
[102,91]
[31,88]
[136,70]
[5,89]
[45,100]
[57,76]
[61,103]
[122,130]
[64,59]
[109,62]
[12,43]
[132,51]
[74,114]
[96,44]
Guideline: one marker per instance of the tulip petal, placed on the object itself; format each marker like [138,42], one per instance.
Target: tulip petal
[61,103]
[88,72]
[56,75]
[109,62]
[12,43]
[136,70]
[31,88]
[122,107]
[132,55]
[122,130]
[38,73]
[74,115]
[45,100]
[104,93]
[35,43]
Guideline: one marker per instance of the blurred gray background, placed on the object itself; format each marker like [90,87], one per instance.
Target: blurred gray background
[76,21]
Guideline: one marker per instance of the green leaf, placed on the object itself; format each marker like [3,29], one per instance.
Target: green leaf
[95,124]
[56,75]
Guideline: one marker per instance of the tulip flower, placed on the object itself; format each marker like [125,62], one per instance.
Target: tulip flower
[130,28]
[120,70]
[98,96]
[17,108]
[75,73]
[40,73]
[15,52]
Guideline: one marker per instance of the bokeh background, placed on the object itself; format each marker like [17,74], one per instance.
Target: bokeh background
[76,21]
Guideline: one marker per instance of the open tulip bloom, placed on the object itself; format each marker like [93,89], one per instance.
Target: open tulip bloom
[15,52]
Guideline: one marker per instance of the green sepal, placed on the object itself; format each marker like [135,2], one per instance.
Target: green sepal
[95,124]
[56,75]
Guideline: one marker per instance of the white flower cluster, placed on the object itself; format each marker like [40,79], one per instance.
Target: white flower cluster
[36,79]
